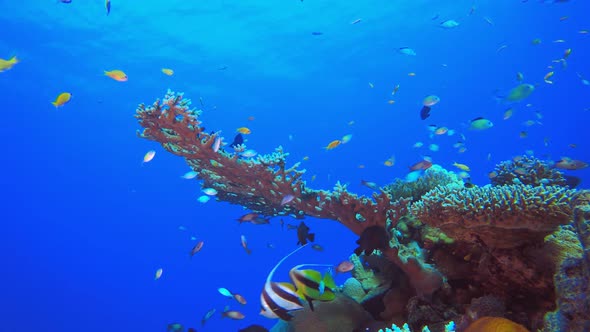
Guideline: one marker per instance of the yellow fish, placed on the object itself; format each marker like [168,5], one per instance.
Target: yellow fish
[508,114]
[390,162]
[462,167]
[548,77]
[62,99]
[168,71]
[117,75]
[244,130]
[7,64]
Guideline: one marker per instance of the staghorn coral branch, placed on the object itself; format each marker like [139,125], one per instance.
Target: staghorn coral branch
[261,183]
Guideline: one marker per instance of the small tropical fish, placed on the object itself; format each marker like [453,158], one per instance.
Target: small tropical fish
[583,32]
[333,144]
[233,314]
[449,24]
[520,92]
[317,33]
[346,138]
[311,285]
[174,327]
[508,114]
[430,100]
[480,124]
[305,158]
[501,48]
[249,153]
[158,274]
[523,134]
[168,71]
[519,76]
[117,75]
[62,99]
[203,199]
[492,175]
[418,145]
[411,74]
[371,85]
[548,77]
[245,244]
[149,156]
[441,131]
[207,315]
[395,90]
[238,140]
[317,247]
[570,164]
[421,165]
[563,18]
[197,248]
[390,161]
[536,41]
[240,299]
[371,185]
[433,147]
[462,167]
[344,266]
[225,292]
[7,64]
[391,102]
[190,175]
[107,5]
[358,20]
[244,130]
[567,53]
[488,20]
[287,199]
[209,191]
[216,144]
[303,234]
[248,217]
[406,51]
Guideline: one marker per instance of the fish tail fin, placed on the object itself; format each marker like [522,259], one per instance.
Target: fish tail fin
[13,60]
[311,237]
[54,103]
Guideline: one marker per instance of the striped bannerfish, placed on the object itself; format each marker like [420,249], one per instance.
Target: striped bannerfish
[311,285]
[278,299]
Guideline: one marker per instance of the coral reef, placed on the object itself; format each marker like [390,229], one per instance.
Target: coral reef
[501,217]
[527,170]
[433,177]
[429,252]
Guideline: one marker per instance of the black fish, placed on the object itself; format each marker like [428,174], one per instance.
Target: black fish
[425,112]
[303,234]
[254,328]
[572,181]
[372,238]
[238,140]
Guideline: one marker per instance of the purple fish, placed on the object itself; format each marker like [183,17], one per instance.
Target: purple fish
[287,199]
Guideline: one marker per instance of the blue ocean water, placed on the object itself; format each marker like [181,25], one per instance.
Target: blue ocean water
[86,225]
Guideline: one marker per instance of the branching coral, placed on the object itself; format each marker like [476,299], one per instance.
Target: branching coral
[503,216]
[528,171]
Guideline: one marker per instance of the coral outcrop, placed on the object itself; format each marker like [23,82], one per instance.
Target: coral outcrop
[527,170]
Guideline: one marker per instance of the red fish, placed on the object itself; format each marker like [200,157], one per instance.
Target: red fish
[423,165]
[344,266]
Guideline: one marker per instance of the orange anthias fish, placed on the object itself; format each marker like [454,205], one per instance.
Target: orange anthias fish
[62,99]
[168,71]
[333,144]
[244,130]
[197,248]
[423,165]
[117,75]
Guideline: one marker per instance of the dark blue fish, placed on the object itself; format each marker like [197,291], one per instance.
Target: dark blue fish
[239,139]
[108,6]
[317,33]
[65,1]
[254,328]
[424,112]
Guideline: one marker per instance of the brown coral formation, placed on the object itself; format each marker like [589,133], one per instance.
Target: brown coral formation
[527,170]
[501,217]
[455,250]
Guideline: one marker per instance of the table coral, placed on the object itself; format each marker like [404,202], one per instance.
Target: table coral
[527,170]
[502,216]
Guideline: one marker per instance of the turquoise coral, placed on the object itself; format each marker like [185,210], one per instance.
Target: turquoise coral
[527,170]
[432,177]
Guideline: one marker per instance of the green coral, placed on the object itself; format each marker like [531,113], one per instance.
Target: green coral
[433,177]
